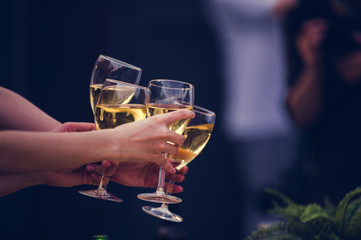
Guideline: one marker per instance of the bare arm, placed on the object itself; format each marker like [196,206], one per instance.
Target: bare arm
[304,100]
[18,113]
[13,183]
[142,141]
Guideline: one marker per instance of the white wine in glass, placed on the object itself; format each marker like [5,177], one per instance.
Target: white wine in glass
[197,135]
[166,96]
[196,139]
[110,68]
[118,103]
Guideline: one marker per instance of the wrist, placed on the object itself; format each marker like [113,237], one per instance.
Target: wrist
[107,147]
[34,179]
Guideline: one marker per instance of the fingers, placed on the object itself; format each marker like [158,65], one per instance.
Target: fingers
[178,178]
[95,179]
[184,170]
[175,140]
[83,127]
[78,127]
[172,188]
[171,117]
[167,166]
[107,168]
[172,148]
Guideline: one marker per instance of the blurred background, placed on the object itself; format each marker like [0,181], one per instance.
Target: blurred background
[233,52]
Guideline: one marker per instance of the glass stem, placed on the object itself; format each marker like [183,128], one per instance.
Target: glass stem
[161,181]
[101,181]
[164,207]
[161,178]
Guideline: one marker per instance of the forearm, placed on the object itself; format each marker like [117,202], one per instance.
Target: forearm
[25,152]
[140,141]
[304,99]
[18,113]
[13,183]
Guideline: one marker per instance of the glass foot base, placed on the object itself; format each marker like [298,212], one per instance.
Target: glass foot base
[163,213]
[159,198]
[101,193]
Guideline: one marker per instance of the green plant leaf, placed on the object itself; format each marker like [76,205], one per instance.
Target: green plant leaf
[281,231]
[314,221]
[341,208]
[353,229]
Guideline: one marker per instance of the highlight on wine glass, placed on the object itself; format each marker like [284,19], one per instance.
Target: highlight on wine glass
[197,135]
[166,96]
[118,103]
[110,68]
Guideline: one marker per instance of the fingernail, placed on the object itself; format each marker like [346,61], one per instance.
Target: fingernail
[90,168]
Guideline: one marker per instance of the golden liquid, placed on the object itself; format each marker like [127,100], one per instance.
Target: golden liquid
[94,94]
[111,116]
[196,138]
[111,94]
[178,126]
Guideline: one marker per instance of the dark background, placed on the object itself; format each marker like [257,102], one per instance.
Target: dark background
[48,49]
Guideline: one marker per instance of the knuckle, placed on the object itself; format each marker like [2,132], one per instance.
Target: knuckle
[173,150]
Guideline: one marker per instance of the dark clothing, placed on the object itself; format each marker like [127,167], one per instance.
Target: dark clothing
[334,141]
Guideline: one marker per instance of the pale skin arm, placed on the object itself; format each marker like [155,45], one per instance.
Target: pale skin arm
[13,183]
[18,113]
[138,174]
[24,116]
[141,141]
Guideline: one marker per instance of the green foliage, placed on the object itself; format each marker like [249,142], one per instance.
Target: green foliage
[281,230]
[313,221]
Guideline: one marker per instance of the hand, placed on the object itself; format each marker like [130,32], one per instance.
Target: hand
[75,127]
[90,174]
[139,174]
[146,140]
[72,178]
[309,41]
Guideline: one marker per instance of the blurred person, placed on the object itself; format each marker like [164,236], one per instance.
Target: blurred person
[254,71]
[34,148]
[325,94]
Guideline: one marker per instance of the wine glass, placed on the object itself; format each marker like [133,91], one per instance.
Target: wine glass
[197,135]
[166,96]
[118,103]
[106,67]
